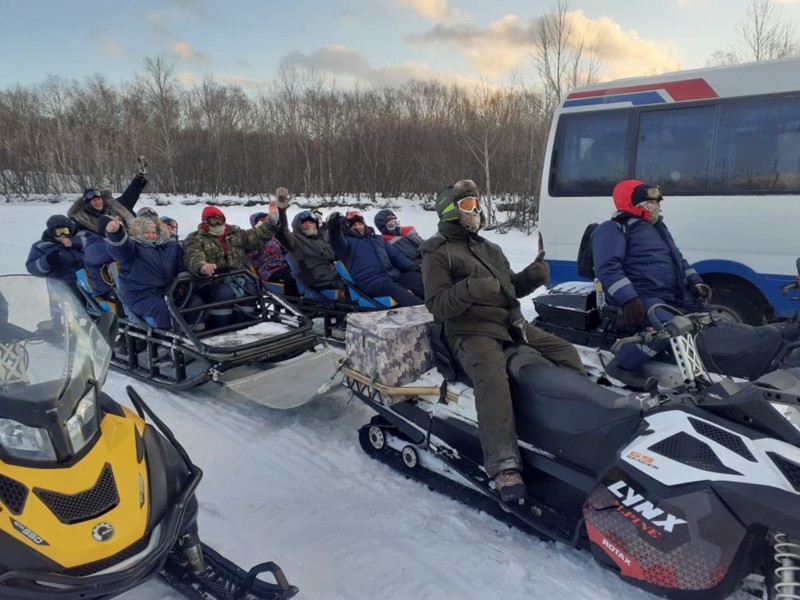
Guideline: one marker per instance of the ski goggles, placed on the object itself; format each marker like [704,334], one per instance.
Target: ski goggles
[215,220]
[60,232]
[646,193]
[91,195]
[470,204]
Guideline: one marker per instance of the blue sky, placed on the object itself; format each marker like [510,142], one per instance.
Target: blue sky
[375,41]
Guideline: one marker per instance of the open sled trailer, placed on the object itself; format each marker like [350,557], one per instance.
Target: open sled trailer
[272,339]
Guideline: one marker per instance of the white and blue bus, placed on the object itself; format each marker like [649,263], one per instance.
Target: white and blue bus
[723,144]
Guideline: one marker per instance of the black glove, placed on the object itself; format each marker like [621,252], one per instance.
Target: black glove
[634,311]
[484,290]
[53,258]
[538,272]
[702,292]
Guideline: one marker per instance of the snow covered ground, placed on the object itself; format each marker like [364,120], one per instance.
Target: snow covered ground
[294,486]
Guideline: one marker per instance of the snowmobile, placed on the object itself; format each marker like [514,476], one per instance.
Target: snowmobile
[690,492]
[98,498]
[267,333]
[576,312]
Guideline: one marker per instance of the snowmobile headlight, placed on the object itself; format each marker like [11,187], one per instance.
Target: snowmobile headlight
[789,412]
[23,441]
[82,425]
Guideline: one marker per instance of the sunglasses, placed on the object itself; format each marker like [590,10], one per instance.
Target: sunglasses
[61,232]
[469,205]
[92,195]
[214,221]
[172,226]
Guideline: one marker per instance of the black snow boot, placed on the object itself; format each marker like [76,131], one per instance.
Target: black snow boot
[509,485]
[633,379]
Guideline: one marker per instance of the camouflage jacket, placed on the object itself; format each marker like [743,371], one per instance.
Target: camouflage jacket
[228,250]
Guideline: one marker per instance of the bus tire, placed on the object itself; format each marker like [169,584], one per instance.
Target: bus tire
[732,305]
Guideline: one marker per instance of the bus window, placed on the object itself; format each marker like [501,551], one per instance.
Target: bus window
[673,148]
[593,153]
[758,147]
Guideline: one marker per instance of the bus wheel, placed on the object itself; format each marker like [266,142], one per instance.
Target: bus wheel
[733,306]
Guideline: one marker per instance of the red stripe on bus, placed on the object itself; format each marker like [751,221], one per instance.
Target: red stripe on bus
[687,89]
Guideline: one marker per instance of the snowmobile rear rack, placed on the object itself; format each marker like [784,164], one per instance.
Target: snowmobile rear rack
[354,377]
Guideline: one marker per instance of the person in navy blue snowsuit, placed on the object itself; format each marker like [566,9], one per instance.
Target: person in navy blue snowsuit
[377,267]
[149,261]
[406,239]
[59,253]
[643,268]
[95,257]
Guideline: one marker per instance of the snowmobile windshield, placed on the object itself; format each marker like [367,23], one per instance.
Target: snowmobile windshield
[52,362]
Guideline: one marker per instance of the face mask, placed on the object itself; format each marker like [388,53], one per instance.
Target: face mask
[216,229]
[655,210]
[469,221]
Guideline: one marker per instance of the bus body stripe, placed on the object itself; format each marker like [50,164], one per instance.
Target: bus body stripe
[679,91]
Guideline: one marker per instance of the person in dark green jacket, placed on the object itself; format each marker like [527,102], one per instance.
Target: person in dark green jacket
[469,285]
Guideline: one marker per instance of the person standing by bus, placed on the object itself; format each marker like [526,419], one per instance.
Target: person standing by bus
[639,265]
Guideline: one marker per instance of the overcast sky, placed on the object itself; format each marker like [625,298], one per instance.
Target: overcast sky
[377,42]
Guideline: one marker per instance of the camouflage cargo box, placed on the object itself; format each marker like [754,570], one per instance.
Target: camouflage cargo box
[391,347]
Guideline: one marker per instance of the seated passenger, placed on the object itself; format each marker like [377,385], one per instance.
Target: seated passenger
[310,250]
[59,253]
[406,239]
[93,204]
[149,261]
[95,258]
[377,267]
[218,245]
[269,261]
[172,227]
[639,265]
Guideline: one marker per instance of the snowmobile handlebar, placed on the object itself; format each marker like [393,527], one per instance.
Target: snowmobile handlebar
[679,325]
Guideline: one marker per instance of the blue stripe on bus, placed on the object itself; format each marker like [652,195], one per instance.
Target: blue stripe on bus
[636,99]
[769,284]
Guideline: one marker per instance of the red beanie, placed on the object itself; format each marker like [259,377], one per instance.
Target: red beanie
[211,211]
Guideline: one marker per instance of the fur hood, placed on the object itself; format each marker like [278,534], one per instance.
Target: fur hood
[137,226]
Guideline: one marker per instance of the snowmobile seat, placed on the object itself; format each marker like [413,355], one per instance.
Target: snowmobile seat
[85,285]
[358,296]
[570,416]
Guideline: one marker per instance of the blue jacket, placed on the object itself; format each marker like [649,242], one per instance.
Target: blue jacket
[648,264]
[145,269]
[69,259]
[369,258]
[95,255]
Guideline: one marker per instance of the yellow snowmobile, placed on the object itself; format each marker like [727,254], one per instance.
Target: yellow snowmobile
[94,498]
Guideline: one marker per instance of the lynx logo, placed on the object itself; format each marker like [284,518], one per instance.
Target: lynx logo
[636,503]
[613,549]
[36,539]
[103,532]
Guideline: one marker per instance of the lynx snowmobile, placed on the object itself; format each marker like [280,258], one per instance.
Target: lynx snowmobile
[268,331]
[572,311]
[691,492]
[97,498]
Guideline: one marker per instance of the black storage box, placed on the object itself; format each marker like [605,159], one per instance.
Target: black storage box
[572,305]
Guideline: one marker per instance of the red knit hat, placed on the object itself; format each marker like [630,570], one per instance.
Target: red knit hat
[211,211]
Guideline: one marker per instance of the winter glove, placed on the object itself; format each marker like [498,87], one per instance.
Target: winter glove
[702,292]
[484,290]
[634,311]
[142,160]
[53,258]
[282,195]
[538,272]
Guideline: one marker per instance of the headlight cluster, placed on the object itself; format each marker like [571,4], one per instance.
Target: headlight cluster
[34,443]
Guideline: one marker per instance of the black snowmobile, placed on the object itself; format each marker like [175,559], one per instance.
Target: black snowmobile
[97,499]
[572,311]
[240,356]
[687,493]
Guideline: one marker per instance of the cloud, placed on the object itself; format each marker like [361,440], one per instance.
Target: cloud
[187,78]
[109,46]
[185,52]
[494,50]
[347,65]
[433,10]
[787,1]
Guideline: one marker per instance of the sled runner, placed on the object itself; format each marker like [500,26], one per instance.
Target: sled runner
[687,493]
